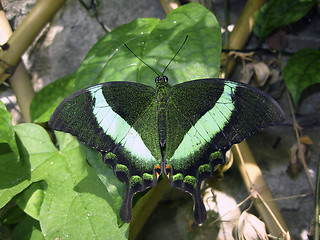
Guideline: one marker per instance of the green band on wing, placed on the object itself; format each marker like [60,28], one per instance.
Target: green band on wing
[117,128]
[206,127]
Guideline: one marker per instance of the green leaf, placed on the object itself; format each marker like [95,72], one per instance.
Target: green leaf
[12,215]
[13,175]
[275,14]
[30,199]
[46,101]
[7,137]
[156,42]
[115,187]
[27,229]
[302,71]
[76,203]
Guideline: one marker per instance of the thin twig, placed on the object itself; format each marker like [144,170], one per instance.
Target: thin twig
[316,208]
[300,152]
[271,213]
[238,205]
[93,8]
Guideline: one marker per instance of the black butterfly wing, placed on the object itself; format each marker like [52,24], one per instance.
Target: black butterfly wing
[204,119]
[119,119]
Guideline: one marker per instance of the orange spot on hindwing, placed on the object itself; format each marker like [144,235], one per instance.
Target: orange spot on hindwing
[157,170]
[168,170]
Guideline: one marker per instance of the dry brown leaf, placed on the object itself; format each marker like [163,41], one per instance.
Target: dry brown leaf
[249,227]
[259,71]
[278,40]
[295,161]
[306,140]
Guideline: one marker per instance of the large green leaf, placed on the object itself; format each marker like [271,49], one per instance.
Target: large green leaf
[7,138]
[27,229]
[30,200]
[71,207]
[275,14]
[156,42]
[48,99]
[302,71]
[12,172]
[115,187]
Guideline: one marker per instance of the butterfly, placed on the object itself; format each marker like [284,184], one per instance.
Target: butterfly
[183,131]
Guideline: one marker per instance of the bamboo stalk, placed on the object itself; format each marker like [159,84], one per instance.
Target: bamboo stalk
[20,81]
[18,42]
[169,5]
[22,87]
[254,181]
[26,32]
[242,30]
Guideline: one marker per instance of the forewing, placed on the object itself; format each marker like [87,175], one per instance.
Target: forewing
[204,119]
[119,119]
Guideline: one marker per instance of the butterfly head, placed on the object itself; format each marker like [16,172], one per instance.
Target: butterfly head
[161,79]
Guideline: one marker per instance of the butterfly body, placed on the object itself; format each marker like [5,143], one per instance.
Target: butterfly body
[183,131]
[162,100]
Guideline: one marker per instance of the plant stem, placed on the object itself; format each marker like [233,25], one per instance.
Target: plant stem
[300,152]
[316,207]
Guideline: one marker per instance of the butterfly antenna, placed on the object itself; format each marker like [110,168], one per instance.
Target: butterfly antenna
[141,60]
[175,55]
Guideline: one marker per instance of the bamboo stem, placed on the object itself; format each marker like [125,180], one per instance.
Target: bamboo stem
[20,81]
[169,5]
[242,30]
[26,32]
[18,42]
[23,90]
[253,179]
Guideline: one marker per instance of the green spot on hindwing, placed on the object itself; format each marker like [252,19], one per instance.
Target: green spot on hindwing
[177,177]
[122,168]
[215,156]
[134,180]
[111,158]
[205,168]
[147,177]
[191,180]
